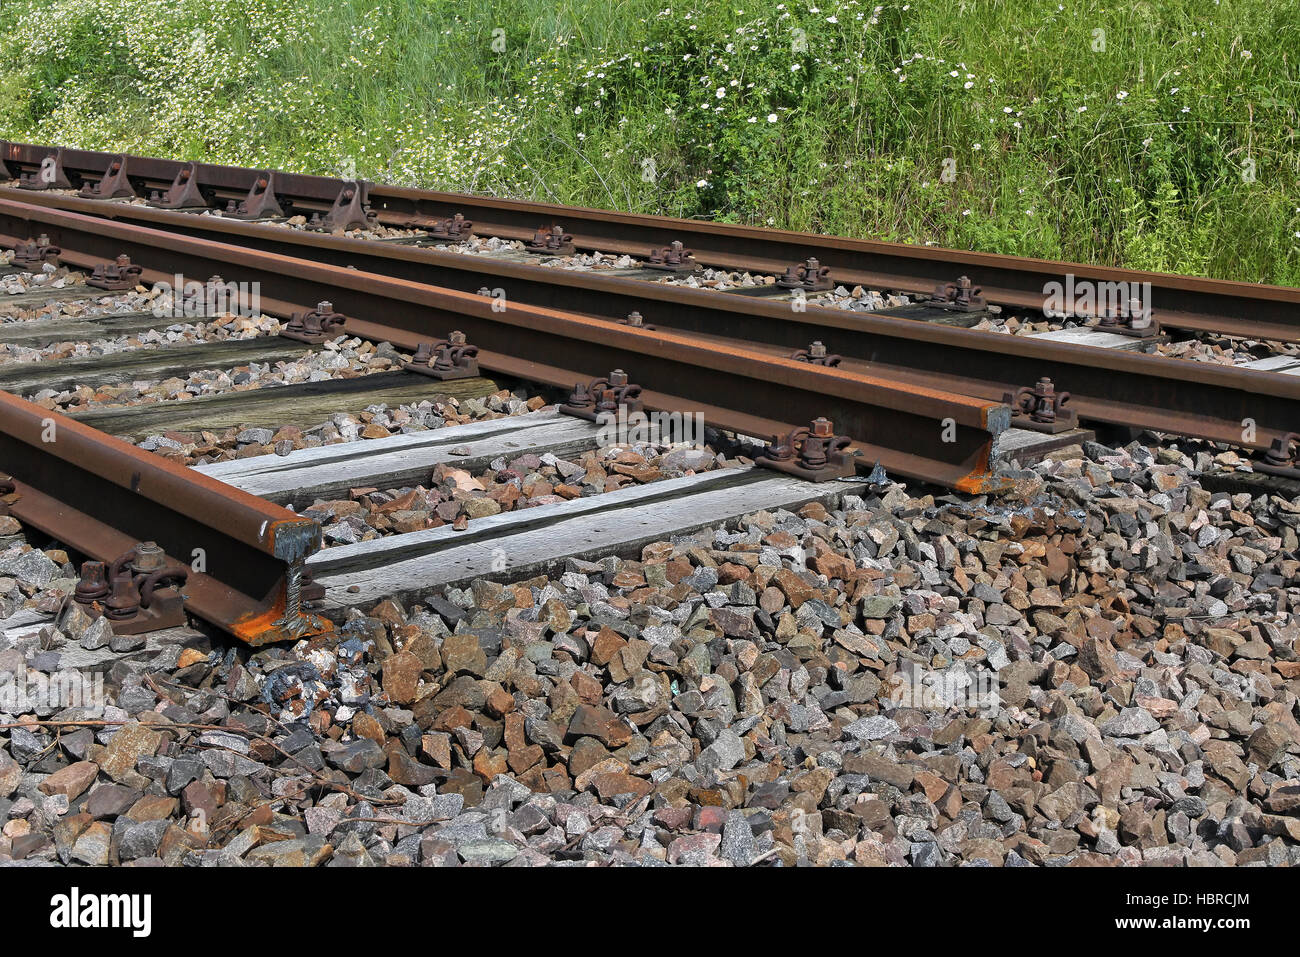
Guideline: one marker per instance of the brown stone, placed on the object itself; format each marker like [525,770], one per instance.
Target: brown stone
[72,780]
[402,677]
[796,590]
[462,653]
[128,745]
[599,723]
[436,745]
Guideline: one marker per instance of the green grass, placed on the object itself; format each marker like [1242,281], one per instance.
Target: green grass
[1135,155]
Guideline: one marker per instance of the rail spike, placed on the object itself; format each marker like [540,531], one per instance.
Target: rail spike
[636,321]
[551,242]
[814,453]
[35,253]
[817,355]
[1280,458]
[450,358]
[456,228]
[810,276]
[603,397]
[1129,319]
[316,325]
[959,296]
[140,592]
[1041,408]
[115,276]
[674,257]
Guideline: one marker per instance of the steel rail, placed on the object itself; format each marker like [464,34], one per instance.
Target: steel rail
[1181,302]
[1125,389]
[101,496]
[67,168]
[911,430]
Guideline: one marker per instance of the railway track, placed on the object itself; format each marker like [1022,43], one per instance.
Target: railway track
[909,389]
[389,443]
[952,442]
[1176,302]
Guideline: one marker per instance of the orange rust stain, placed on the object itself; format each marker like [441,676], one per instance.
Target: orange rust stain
[260,629]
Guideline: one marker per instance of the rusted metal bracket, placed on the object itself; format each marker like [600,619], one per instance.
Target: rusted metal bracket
[35,253]
[140,592]
[456,228]
[815,453]
[1041,408]
[672,258]
[817,355]
[603,397]
[315,326]
[112,185]
[636,321]
[115,276]
[260,202]
[450,358]
[350,210]
[551,242]
[810,276]
[1130,319]
[1279,459]
[959,296]
[50,174]
[184,192]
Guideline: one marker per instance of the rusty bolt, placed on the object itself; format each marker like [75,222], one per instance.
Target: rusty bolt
[148,557]
[817,350]
[618,378]
[456,338]
[822,428]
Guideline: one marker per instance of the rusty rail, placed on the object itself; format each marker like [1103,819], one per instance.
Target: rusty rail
[1115,388]
[911,430]
[1178,302]
[101,496]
